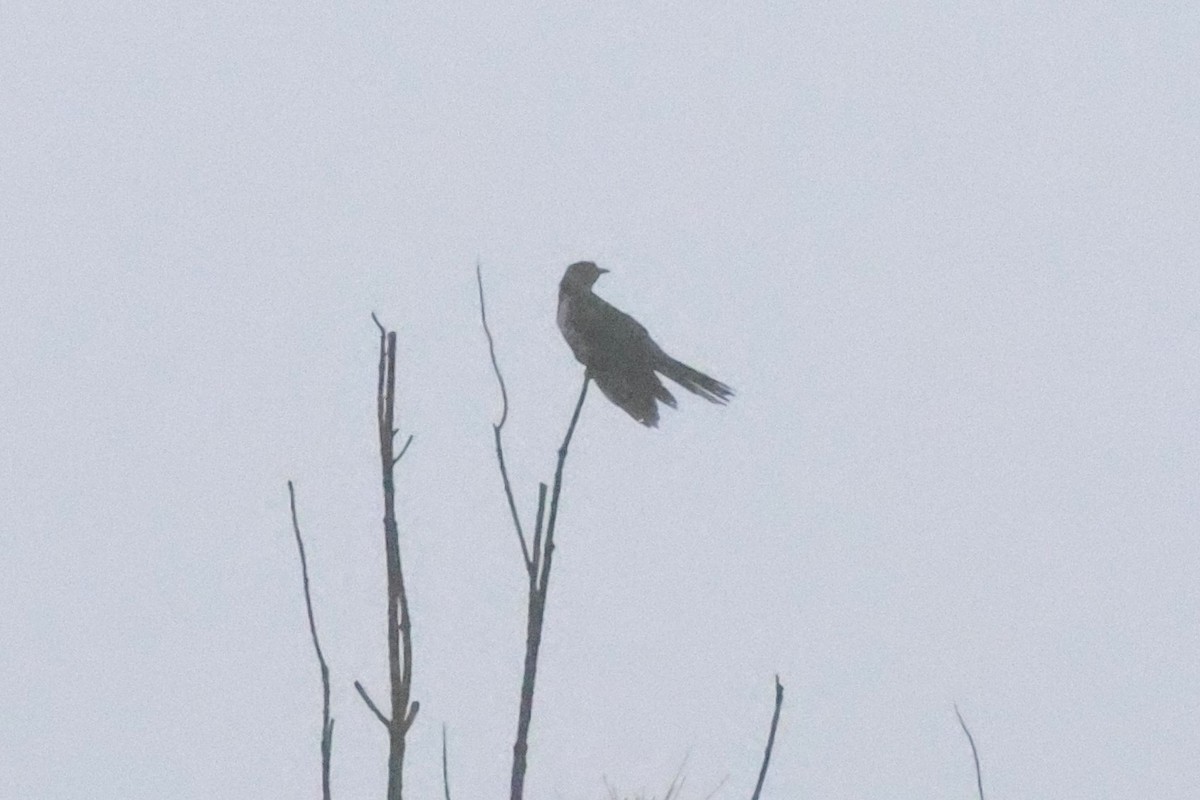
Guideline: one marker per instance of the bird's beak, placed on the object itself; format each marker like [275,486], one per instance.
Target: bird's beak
[600,270]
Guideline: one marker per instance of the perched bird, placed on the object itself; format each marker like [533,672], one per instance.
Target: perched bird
[619,354]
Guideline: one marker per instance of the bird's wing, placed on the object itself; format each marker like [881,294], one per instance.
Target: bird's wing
[620,356]
[612,337]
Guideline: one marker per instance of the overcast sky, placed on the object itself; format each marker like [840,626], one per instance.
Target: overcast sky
[947,254]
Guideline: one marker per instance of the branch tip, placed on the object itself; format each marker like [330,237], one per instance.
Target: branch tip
[491,346]
[974,752]
[403,449]
[366,698]
[412,714]
[762,773]
[326,718]
[445,766]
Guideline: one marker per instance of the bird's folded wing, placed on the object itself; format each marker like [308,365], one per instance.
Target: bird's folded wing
[613,338]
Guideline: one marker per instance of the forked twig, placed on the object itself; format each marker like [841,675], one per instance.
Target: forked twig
[539,584]
[538,561]
[399,622]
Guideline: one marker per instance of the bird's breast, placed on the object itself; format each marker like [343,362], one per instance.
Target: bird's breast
[567,323]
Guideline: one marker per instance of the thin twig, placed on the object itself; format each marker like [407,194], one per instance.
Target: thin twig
[366,698]
[403,450]
[711,794]
[498,427]
[491,345]
[677,782]
[762,773]
[558,476]
[382,369]
[512,505]
[413,708]
[326,719]
[974,752]
[445,768]
[536,566]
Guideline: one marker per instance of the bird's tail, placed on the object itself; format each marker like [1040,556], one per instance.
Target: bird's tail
[693,380]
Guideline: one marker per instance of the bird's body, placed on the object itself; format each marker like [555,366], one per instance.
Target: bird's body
[618,352]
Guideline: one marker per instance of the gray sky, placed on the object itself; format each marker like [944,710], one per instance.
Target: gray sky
[946,253]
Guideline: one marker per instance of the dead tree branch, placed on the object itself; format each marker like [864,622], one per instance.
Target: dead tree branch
[445,766]
[399,633]
[539,584]
[548,547]
[974,752]
[326,719]
[677,782]
[366,698]
[762,773]
[538,561]
[498,427]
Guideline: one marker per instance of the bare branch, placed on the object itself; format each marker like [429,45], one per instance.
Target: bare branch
[366,698]
[445,767]
[539,582]
[491,345]
[399,623]
[326,719]
[411,716]
[382,370]
[762,773]
[677,782]
[537,562]
[512,505]
[974,752]
[498,427]
[403,450]
[713,793]
[558,476]
[537,537]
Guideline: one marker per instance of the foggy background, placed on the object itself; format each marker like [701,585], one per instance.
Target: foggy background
[945,253]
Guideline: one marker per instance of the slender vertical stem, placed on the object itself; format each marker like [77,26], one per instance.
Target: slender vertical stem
[326,719]
[762,773]
[445,766]
[508,493]
[974,752]
[536,566]
[498,428]
[548,547]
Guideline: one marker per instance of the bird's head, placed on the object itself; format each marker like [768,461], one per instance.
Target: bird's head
[581,275]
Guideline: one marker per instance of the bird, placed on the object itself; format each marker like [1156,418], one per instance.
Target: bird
[619,354]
